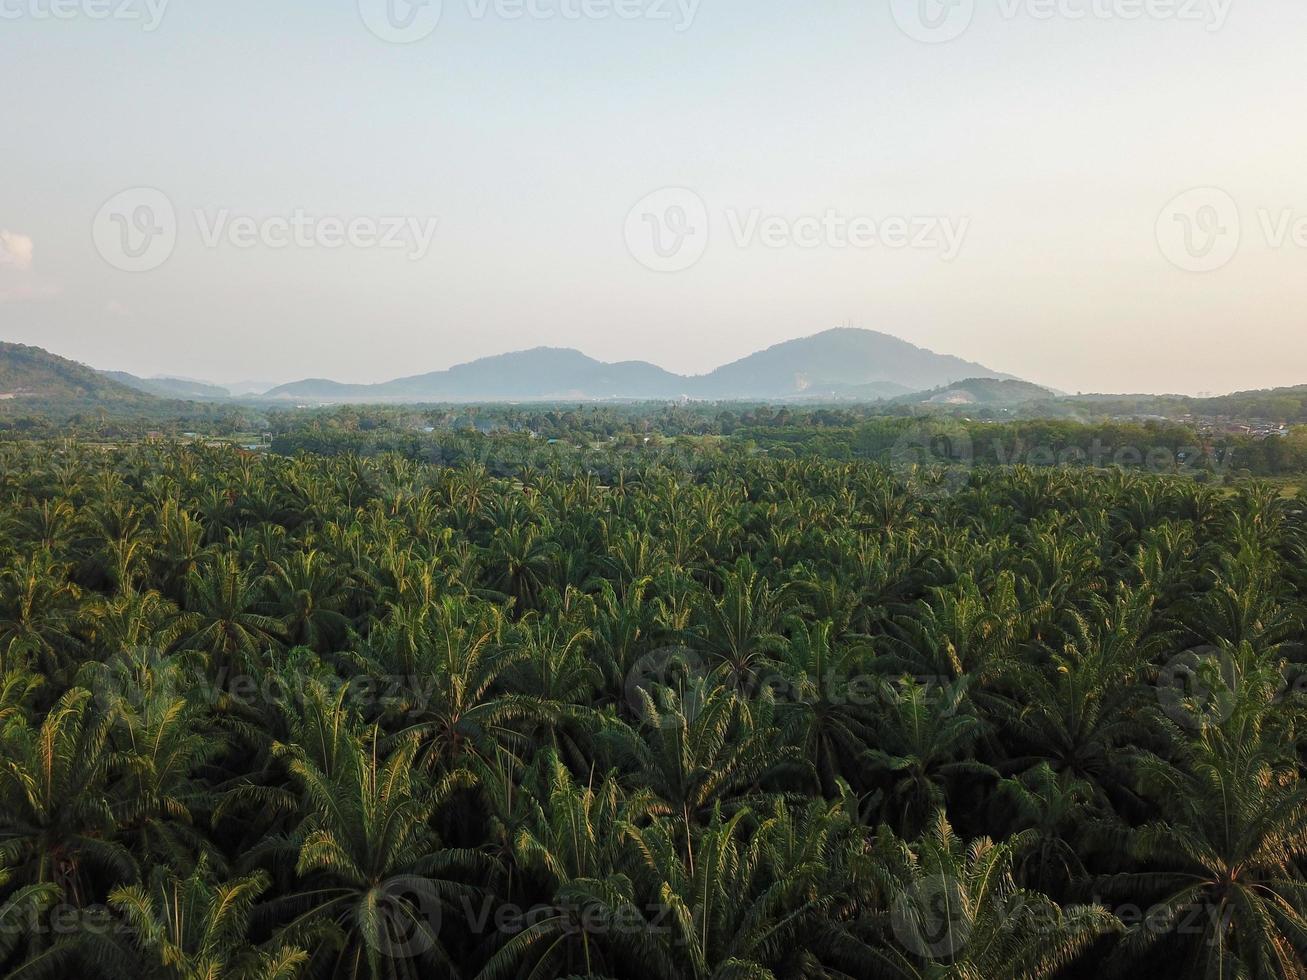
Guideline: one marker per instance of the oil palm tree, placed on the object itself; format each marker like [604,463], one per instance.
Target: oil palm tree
[703,749]
[56,818]
[1223,866]
[828,707]
[923,742]
[373,878]
[748,906]
[192,928]
[571,851]
[741,630]
[39,612]
[454,663]
[955,912]
[221,618]
[309,597]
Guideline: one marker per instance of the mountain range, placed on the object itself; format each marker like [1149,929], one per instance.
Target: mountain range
[837,364]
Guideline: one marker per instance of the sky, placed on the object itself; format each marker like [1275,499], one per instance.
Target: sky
[1096,195]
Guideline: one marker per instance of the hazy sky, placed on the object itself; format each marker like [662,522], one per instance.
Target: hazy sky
[682,181]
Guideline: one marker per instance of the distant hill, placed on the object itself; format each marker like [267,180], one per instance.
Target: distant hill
[1275,404]
[239,389]
[836,361]
[540,374]
[838,364]
[34,379]
[170,387]
[981,391]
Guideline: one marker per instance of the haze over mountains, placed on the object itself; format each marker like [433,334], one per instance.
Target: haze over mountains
[836,366]
[170,387]
[841,364]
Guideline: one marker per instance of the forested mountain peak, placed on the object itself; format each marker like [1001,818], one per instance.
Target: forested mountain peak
[31,378]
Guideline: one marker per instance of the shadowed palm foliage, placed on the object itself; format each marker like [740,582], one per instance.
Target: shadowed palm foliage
[1225,863]
[56,818]
[955,911]
[570,852]
[924,737]
[370,871]
[192,929]
[310,596]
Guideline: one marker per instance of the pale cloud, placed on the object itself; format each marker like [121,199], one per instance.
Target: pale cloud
[16,250]
[19,282]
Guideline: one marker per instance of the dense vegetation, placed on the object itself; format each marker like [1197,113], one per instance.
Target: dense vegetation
[712,715]
[606,433]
